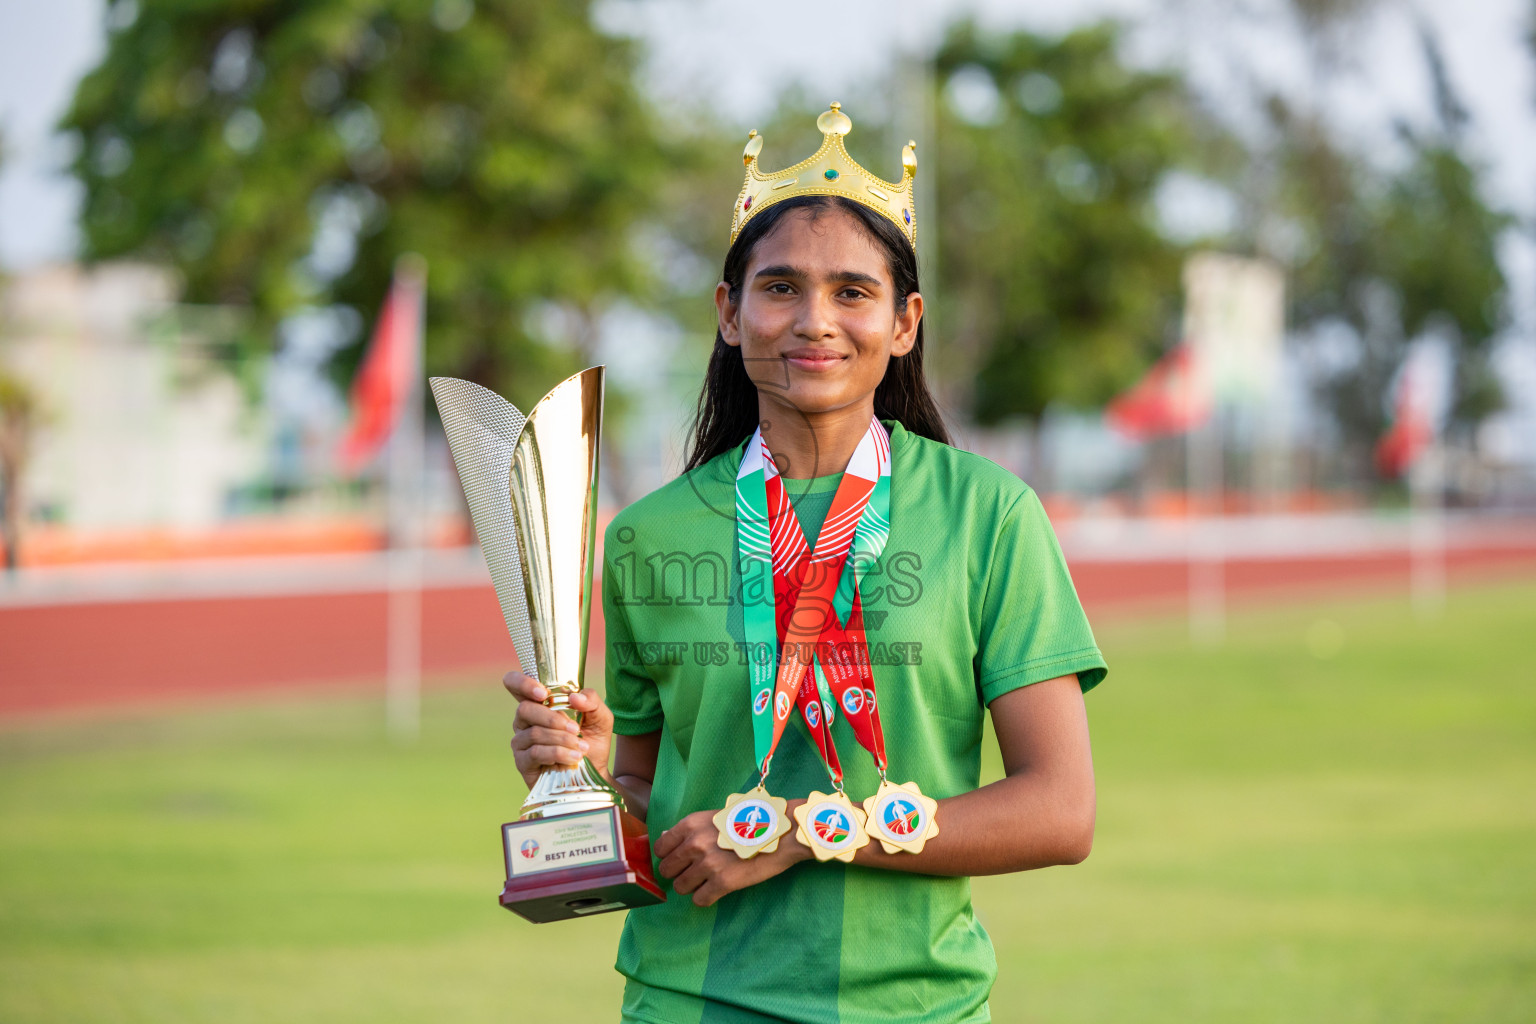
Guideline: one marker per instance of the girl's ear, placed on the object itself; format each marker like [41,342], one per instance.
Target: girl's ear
[725,314]
[906,325]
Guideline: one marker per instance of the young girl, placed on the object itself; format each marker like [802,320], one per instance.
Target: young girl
[937,565]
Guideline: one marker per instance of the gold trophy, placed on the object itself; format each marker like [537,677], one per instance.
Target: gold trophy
[531,485]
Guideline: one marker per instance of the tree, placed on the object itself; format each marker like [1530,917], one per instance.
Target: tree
[282,153]
[1392,254]
[20,415]
[1325,27]
[1056,283]
[1530,30]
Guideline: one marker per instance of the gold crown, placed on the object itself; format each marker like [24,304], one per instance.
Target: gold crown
[830,171]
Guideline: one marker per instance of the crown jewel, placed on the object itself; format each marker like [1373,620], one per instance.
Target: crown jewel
[830,171]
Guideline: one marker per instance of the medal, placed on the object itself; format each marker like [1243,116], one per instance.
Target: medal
[752,822]
[802,615]
[898,815]
[901,817]
[831,826]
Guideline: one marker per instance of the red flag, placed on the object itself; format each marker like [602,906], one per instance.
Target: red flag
[383,381]
[1170,399]
[1410,433]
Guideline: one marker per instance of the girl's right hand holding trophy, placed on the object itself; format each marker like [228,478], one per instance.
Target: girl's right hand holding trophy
[544,738]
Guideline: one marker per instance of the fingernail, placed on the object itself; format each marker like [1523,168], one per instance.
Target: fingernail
[583,745]
[571,726]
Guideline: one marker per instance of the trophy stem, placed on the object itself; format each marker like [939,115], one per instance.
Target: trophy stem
[569,791]
[559,699]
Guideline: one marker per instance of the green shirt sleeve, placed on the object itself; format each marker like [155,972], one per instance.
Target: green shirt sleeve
[630,693]
[1032,625]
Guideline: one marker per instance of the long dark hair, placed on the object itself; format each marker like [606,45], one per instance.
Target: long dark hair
[727,409]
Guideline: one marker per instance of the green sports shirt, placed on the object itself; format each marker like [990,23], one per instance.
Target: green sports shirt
[971,598]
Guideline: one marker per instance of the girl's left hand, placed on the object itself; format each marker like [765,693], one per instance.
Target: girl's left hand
[691,856]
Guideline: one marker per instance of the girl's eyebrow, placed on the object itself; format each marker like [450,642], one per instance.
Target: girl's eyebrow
[853,277]
[780,270]
[837,277]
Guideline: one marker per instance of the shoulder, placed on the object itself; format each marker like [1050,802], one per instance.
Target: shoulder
[690,501]
[958,476]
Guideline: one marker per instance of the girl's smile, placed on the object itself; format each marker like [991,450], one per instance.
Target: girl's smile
[813,359]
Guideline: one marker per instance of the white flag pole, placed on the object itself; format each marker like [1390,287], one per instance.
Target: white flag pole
[1204,276]
[1426,529]
[1234,317]
[403,650]
[1207,519]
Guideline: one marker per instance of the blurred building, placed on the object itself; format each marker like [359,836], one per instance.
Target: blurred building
[147,423]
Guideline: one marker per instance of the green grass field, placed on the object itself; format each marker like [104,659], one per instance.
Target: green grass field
[1333,817]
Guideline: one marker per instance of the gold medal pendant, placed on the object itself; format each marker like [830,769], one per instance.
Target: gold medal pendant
[831,826]
[901,817]
[752,822]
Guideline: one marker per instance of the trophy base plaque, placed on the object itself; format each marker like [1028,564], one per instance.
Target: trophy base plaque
[576,865]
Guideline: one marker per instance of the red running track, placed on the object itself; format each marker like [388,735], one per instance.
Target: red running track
[128,652]
[84,656]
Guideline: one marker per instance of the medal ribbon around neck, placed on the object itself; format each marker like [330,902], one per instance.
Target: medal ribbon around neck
[800,598]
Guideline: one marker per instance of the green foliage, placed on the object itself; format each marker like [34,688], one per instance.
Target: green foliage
[1055,280]
[1530,30]
[1329,242]
[1439,238]
[17,401]
[21,415]
[1284,833]
[253,144]
[1391,253]
[1331,27]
